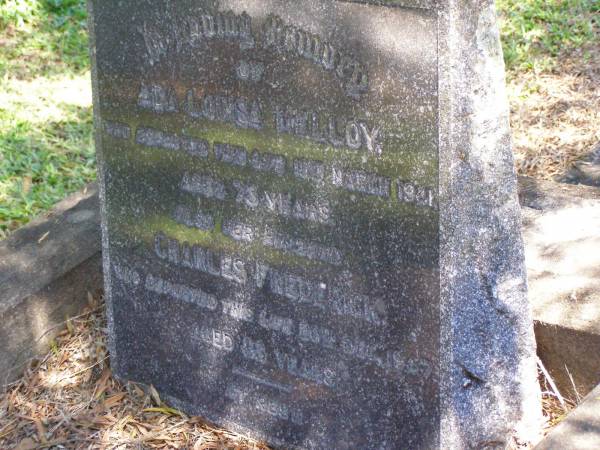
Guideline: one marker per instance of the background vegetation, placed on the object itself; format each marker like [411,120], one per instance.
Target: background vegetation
[46,148]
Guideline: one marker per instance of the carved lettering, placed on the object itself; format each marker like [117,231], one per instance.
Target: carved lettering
[282,204]
[268,406]
[316,335]
[293,287]
[289,39]
[126,274]
[344,302]
[410,193]
[158,99]
[203,185]
[156,138]
[307,169]
[223,108]
[303,248]
[254,350]
[117,130]
[361,181]
[233,269]
[239,231]
[274,322]
[150,137]
[195,219]
[237,310]
[201,259]
[180,292]
[311,370]
[231,154]
[328,129]
[267,162]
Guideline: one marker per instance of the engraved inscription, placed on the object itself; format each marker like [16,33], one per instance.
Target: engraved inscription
[225,108]
[231,154]
[338,132]
[193,218]
[293,40]
[254,350]
[241,396]
[126,274]
[328,374]
[158,99]
[237,311]
[352,304]
[267,162]
[246,233]
[179,291]
[199,258]
[156,138]
[293,287]
[216,338]
[250,70]
[226,25]
[282,204]
[361,181]
[151,137]
[303,248]
[248,114]
[203,185]
[117,130]
[309,170]
[417,195]
[193,31]
[239,231]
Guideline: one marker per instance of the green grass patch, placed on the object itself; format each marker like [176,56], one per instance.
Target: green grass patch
[46,147]
[536,32]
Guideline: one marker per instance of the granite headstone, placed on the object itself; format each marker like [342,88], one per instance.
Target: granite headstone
[310,222]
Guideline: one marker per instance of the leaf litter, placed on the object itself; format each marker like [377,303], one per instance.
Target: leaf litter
[69,399]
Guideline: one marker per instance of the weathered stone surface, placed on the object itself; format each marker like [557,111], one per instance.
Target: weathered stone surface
[311,228]
[561,226]
[580,430]
[46,271]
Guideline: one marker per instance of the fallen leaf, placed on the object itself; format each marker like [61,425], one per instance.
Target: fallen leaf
[101,385]
[26,444]
[27,185]
[114,400]
[165,410]
[155,396]
[41,430]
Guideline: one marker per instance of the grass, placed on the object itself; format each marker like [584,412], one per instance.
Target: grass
[536,32]
[46,148]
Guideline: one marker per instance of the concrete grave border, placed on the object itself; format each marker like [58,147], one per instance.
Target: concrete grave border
[47,269]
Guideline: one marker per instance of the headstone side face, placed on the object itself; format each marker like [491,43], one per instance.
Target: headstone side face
[490,396]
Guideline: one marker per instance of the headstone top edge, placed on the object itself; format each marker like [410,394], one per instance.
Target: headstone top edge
[417,4]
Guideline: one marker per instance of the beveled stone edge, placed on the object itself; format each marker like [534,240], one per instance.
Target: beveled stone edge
[478,191]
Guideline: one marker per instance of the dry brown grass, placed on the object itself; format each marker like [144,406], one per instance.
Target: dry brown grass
[69,399]
[556,115]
